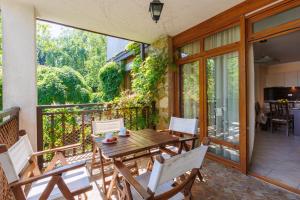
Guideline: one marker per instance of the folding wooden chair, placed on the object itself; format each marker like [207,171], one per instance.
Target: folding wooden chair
[98,161]
[159,184]
[20,161]
[186,130]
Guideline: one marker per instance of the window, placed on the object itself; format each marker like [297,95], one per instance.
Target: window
[223,97]
[223,38]
[190,90]
[276,20]
[225,152]
[127,81]
[189,50]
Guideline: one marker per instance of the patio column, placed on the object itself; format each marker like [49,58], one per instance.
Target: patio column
[19,63]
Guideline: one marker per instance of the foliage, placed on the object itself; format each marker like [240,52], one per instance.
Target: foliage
[133,47]
[81,50]
[61,85]
[50,87]
[1,51]
[149,75]
[110,77]
[96,97]
[1,87]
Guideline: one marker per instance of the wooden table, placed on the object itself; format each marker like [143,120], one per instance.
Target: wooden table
[138,141]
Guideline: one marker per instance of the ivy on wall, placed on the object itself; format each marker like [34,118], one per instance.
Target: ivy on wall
[147,76]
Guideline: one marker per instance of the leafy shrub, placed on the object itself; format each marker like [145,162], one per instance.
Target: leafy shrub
[133,47]
[110,77]
[61,85]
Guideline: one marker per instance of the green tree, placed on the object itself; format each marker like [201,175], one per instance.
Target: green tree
[61,85]
[44,43]
[50,87]
[81,50]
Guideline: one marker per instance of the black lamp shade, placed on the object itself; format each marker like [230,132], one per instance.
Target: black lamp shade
[155,9]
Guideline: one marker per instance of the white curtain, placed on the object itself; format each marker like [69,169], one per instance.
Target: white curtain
[190,90]
[251,100]
[222,38]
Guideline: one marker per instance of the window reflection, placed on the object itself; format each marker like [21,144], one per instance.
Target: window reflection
[190,90]
[223,97]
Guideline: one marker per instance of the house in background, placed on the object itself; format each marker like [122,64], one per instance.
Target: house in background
[116,51]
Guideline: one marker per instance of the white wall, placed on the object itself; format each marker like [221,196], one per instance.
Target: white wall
[19,63]
[279,75]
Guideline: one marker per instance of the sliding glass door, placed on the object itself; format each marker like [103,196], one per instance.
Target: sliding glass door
[222,75]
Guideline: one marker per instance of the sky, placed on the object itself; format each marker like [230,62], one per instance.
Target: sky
[55,29]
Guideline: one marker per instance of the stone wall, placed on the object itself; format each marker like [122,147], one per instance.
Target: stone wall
[164,102]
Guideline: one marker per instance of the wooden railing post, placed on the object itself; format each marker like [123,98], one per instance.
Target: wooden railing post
[153,113]
[39,115]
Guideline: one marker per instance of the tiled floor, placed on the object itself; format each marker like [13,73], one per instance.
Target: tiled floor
[221,183]
[277,156]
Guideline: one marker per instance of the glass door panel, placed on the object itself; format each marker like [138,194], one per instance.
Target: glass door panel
[223,97]
[189,87]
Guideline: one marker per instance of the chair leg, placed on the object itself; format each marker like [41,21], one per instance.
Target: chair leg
[200,176]
[18,193]
[102,171]
[271,127]
[93,159]
[188,197]
[287,129]
[64,189]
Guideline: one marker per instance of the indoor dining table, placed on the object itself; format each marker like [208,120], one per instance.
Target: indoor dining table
[137,142]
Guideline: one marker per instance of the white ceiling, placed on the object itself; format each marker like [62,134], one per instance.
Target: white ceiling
[130,18]
[281,49]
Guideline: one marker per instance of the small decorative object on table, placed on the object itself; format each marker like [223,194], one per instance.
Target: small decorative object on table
[109,138]
[123,132]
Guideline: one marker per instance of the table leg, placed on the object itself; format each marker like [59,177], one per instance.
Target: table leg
[112,184]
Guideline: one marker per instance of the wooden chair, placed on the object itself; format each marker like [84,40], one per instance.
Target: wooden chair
[98,161]
[19,163]
[159,184]
[280,115]
[187,130]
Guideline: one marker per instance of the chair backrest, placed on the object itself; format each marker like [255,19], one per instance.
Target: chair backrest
[279,110]
[176,166]
[105,126]
[16,158]
[183,125]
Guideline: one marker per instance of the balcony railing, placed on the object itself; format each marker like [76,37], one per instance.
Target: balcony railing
[60,125]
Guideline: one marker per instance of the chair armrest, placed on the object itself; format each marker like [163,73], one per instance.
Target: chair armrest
[72,146]
[54,172]
[124,171]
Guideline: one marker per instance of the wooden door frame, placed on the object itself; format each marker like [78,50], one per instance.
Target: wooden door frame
[235,15]
[276,30]
[251,38]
